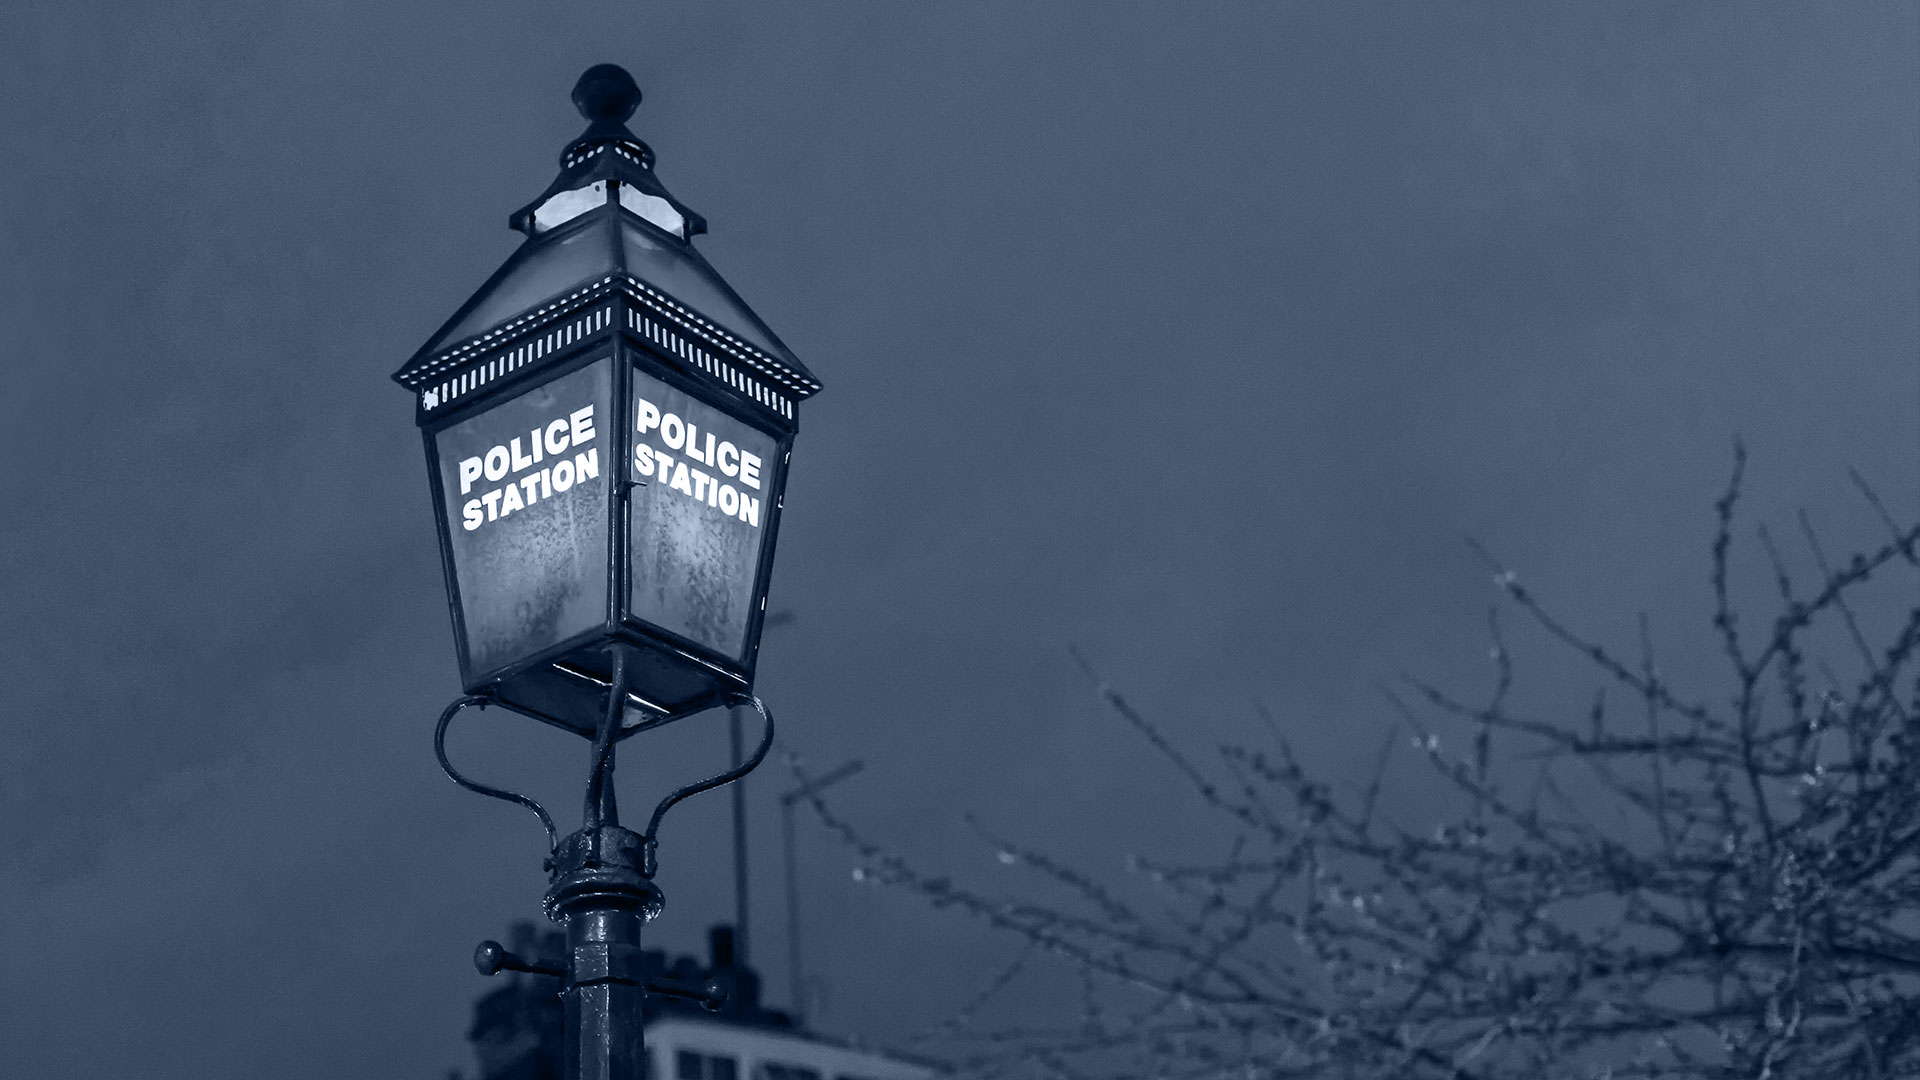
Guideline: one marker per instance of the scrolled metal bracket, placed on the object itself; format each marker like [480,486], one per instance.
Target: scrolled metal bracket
[440,751]
[650,838]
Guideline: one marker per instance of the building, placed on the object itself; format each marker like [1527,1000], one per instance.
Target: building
[516,1031]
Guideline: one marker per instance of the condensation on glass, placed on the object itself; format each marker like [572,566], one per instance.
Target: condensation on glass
[698,517]
[525,486]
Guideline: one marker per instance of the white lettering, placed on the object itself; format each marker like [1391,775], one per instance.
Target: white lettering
[469,472]
[527,482]
[581,421]
[646,416]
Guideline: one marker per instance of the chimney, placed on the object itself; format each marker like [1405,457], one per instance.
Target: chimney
[720,939]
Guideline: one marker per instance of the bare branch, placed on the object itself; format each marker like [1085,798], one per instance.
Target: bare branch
[1724,892]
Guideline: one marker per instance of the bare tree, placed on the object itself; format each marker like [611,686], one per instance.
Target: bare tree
[1677,887]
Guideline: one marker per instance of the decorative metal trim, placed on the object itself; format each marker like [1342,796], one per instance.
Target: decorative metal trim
[585,153]
[453,774]
[655,317]
[651,838]
[721,338]
[588,153]
[505,363]
[455,357]
[663,335]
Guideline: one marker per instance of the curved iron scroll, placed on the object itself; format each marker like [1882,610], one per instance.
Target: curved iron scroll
[653,824]
[440,751]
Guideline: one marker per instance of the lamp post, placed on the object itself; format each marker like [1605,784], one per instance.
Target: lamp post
[607,428]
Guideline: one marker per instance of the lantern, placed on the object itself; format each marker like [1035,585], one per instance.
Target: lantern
[607,428]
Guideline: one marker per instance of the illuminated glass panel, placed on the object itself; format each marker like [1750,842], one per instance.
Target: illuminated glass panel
[654,209]
[524,486]
[698,521]
[568,205]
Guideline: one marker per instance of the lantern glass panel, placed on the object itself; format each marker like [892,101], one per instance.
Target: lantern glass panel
[541,270]
[568,205]
[667,268]
[525,490]
[697,526]
[654,209]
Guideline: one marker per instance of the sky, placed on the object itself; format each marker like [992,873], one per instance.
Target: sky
[1192,338]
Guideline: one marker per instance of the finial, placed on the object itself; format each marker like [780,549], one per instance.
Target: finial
[606,92]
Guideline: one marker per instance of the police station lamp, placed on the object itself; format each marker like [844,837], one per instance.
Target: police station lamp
[607,430]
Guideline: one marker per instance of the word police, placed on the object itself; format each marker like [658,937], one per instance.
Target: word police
[686,438]
[548,443]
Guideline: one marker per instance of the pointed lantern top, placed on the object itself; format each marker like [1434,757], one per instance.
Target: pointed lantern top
[606,97]
[606,180]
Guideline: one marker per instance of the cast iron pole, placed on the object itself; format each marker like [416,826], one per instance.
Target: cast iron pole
[600,893]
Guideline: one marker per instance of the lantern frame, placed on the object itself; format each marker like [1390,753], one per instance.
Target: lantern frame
[625,321]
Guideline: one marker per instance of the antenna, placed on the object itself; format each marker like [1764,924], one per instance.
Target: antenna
[737,745]
[807,789]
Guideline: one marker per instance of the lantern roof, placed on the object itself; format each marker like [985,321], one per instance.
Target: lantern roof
[606,217]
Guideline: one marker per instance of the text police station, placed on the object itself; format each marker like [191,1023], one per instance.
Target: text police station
[700,448]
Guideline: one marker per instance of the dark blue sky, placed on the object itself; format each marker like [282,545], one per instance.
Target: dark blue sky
[1194,337]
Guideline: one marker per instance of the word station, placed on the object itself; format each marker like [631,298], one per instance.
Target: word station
[555,439]
[718,454]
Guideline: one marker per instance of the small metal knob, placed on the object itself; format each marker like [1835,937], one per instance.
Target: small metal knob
[491,958]
[712,995]
[606,92]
